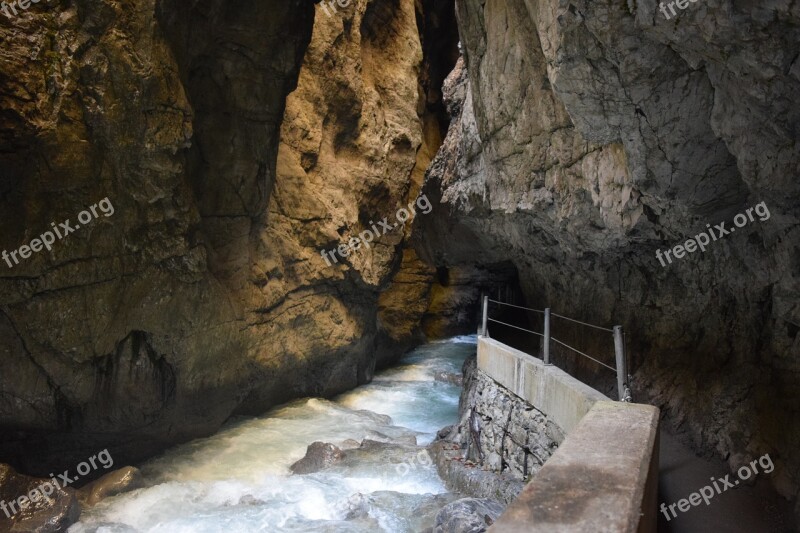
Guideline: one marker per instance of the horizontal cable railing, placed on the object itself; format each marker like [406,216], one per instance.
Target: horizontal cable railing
[565,345]
[517,327]
[619,341]
[517,306]
[583,323]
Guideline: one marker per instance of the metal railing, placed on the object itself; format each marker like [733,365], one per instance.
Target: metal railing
[619,342]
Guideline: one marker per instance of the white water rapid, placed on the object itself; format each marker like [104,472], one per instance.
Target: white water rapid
[239,479]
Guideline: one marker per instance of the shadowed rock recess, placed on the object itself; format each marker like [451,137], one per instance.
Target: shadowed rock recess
[238,140]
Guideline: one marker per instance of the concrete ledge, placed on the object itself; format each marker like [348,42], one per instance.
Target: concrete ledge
[564,399]
[603,478]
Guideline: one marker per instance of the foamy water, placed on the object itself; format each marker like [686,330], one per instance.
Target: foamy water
[239,480]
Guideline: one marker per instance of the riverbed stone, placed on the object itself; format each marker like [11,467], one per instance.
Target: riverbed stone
[52,514]
[468,515]
[117,482]
[319,455]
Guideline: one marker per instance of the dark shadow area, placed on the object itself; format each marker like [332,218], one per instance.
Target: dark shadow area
[752,507]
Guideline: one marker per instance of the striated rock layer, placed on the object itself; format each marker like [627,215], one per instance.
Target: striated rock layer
[588,134]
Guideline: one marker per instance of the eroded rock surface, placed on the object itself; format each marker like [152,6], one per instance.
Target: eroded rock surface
[204,294]
[319,455]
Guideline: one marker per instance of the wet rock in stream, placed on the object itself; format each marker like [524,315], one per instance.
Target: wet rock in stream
[468,515]
[319,455]
[51,514]
[449,377]
[116,482]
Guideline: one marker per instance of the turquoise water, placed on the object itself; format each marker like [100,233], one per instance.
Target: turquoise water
[239,479]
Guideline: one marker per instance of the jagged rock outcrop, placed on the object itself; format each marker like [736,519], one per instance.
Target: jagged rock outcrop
[588,134]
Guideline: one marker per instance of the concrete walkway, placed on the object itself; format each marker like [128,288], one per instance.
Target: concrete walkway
[745,508]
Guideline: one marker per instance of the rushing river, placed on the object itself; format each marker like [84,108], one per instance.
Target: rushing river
[239,480]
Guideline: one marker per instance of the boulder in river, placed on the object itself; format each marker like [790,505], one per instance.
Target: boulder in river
[34,505]
[319,455]
[468,515]
[116,482]
[349,444]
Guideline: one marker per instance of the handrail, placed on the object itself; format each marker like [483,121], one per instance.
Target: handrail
[619,341]
[517,327]
[517,306]
[584,323]
[565,345]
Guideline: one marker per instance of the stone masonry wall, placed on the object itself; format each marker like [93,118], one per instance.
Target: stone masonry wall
[515,437]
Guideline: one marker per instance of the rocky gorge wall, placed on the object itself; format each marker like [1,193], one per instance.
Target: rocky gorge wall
[588,134]
[235,142]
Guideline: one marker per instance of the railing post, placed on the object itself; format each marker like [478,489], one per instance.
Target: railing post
[485,315]
[622,371]
[546,354]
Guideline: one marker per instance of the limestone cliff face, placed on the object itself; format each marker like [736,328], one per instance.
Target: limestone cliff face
[588,134]
[349,146]
[205,293]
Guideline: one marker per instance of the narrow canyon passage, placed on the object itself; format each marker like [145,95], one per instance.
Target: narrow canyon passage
[233,230]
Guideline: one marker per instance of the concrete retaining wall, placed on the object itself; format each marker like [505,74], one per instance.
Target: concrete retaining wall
[604,475]
[564,399]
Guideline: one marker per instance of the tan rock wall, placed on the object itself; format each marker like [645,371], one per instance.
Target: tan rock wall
[205,293]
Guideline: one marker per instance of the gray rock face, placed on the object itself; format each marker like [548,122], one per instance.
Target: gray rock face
[468,515]
[585,136]
[465,477]
[319,455]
